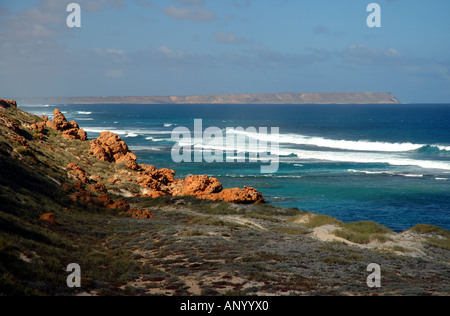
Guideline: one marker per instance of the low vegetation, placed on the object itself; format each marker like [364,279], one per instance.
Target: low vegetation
[363,232]
[191,246]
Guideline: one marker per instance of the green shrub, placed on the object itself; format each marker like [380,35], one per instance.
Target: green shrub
[430,229]
[363,232]
[292,230]
[438,243]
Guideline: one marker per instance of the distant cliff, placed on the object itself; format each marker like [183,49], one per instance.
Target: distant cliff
[263,98]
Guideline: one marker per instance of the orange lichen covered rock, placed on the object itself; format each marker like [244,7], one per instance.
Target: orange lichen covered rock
[161,182]
[10,124]
[48,217]
[70,130]
[154,194]
[82,196]
[109,147]
[138,214]
[241,196]
[98,188]
[39,127]
[118,205]
[77,172]
[197,186]
[156,179]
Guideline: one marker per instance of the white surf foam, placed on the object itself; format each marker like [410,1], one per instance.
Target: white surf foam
[121,132]
[360,145]
[394,159]
[154,139]
[361,157]
[144,148]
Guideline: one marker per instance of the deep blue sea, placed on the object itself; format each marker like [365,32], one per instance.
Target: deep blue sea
[385,163]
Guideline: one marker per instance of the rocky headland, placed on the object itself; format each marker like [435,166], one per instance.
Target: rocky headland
[138,230]
[256,98]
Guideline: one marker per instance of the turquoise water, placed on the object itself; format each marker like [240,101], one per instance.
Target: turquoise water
[386,163]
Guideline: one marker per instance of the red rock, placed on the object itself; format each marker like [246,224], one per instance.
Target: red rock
[21,140]
[161,182]
[83,197]
[97,178]
[49,217]
[109,147]
[154,194]
[105,200]
[157,180]
[197,186]
[241,196]
[113,180]
[147,169]
[139,214]
[8,103]
[98,188]
[77,172]
[118,205]
[10,124]
[70,130]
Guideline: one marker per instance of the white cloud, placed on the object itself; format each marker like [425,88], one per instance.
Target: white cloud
[189,14]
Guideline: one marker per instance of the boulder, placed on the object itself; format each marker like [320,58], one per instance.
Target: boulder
[138,214]
[154,194]
[118,205]
[48,217]
[8,103]
[105,200]
[77,172]
[156,183]
[10,124]
[84,197]
[70,130]
[241,196]
[109,147]
[156,179]
[197,186]
[98,188]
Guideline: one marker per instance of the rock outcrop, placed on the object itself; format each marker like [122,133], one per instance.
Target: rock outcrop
[10,124]
[109,147]
[48,217]
[200,187]
[156,183]
[241,196]
[77,172]
[138,214]
[8,103]
[70,130]
[160,182]
[255,98]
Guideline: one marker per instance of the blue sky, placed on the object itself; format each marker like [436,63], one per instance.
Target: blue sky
[185,47]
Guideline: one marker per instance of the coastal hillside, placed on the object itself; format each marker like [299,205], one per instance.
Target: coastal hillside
[138,230]
[268,98]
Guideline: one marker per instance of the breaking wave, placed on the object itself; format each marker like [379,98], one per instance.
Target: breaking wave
[360,145]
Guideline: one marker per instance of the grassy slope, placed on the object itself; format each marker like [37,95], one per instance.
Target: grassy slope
[34,254]
[191,247]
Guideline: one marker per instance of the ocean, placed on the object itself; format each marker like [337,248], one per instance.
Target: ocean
[383,163]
